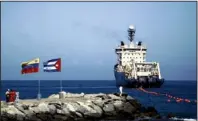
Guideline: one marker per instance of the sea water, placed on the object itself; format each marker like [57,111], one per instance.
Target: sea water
[184,89]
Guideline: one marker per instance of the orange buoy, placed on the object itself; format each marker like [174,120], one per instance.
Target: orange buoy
[180,99]
[187,100]
[177,101]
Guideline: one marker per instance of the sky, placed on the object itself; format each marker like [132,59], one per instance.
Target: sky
[85,34]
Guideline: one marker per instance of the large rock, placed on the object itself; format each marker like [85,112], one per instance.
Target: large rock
[41,108]
[12,113]
[100,95]
[128,108]
[52,109]
[109,109]
[54,96]
[118,105]
[99,102]
[91,110]
[71,95]
[114,97]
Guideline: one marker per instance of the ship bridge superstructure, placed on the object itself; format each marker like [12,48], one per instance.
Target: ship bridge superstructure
[131,58]
[131,53]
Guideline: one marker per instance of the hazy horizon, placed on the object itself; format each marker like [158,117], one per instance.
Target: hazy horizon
[85,34]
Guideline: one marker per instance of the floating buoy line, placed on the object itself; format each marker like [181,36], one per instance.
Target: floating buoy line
[177,99]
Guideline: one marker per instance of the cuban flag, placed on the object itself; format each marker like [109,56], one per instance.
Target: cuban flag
[53,65]
[31,66]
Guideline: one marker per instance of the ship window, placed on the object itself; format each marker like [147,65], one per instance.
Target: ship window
[141,69]
[144,69]
[150,69]
[138,69]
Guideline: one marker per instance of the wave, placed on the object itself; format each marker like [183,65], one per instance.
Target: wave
[170,119]
[183,119]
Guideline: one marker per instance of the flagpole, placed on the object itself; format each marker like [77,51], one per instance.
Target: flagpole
[39,92]
[39,88]
[61,85]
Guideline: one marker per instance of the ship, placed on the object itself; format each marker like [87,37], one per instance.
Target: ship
[132,70]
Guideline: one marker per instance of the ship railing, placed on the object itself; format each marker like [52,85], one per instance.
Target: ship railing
[136,46]
[119,69]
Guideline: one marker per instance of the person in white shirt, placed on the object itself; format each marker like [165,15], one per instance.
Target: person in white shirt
[7,95]
[121,90]
[17,97]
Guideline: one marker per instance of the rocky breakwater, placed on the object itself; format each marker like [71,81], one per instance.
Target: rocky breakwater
[76,107]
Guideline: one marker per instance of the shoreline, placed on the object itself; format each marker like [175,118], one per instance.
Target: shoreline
[74,106]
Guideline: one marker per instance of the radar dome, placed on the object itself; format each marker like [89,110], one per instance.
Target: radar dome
[132,27]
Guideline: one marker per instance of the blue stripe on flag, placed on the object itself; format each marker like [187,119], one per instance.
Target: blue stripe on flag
[48,66]
[36,65]
[52,60]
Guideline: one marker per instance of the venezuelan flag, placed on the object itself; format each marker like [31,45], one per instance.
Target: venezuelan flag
[31,66]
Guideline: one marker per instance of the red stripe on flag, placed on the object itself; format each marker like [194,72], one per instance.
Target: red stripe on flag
[29,70]
[58,65]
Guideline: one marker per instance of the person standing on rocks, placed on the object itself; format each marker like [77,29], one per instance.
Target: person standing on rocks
[121,90]
[7,95]
[17,97]
[12,96]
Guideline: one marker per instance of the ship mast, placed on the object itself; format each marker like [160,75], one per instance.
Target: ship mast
[131,33]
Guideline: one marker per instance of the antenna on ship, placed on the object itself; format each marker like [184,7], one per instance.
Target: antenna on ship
[131,32]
